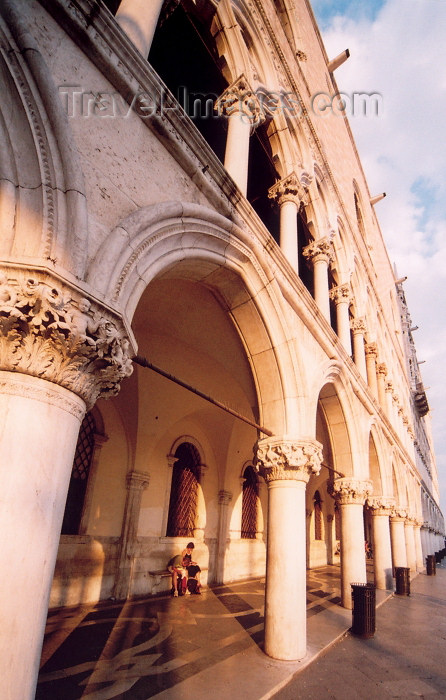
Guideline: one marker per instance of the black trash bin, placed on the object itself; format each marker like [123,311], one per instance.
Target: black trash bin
[430,565]
[363,612]
[402,580]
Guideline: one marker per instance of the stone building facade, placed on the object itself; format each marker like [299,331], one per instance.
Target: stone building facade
[201,335]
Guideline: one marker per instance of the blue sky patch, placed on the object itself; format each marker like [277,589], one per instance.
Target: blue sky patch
[326,10]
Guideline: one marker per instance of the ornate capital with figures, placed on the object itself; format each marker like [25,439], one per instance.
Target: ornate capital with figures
[239,98]
[398,514]
[320,249]
[291,189]
[350,491]
[48,329]
[358,326]
[281,458]
[379,505]
[341,294]
[371,349]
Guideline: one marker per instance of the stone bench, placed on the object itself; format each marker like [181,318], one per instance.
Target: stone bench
[158,577]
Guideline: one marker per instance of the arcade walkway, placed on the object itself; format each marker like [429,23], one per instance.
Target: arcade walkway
[190,647]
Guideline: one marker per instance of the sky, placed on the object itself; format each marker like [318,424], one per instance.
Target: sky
[398,49]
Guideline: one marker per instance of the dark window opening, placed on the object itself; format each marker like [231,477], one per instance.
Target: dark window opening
[184,55]
[184,492]
[79,477]
[333,313]
[261,176]
[249,504]
[337,519]
[317,516]
[304,239]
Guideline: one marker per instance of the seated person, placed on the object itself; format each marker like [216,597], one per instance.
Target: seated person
[176,568]
[193,578]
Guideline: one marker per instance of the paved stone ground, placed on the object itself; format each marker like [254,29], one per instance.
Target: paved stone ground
[406,657]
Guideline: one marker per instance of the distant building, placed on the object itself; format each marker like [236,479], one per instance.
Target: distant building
[191,237]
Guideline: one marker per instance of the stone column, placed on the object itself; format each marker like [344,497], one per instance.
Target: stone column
[242,108]
[397,537]
[418,547]
[286,465]
[351,494]
[58,353]
[382,374]
[320,253]
[136,483]
[410,544]
[389,401]
[224,499]
[342,297]
[381,509]
[139,18]
[289,193]
[370,361]
[358,330]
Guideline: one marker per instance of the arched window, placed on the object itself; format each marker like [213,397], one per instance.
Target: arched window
[184,491]
[337,517]
[317,516]
[249,504]
[79,477]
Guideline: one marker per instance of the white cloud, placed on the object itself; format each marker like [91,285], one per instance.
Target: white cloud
[401,54]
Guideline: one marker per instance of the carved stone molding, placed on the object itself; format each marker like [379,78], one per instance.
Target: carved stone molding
[49,330]
[239,98]
[279,458]
[350,491]
[341,294]
[138,481]
[379,505]
[291,189]
[320,249]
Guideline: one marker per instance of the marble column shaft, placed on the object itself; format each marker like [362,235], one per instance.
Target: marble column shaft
[139,18]
[381,510]
[286,466]
[351,494]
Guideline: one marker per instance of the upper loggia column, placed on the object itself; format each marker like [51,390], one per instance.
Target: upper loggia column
[351,494]
[358,329]
[242,108]
[290,193]
[139,18]
[397,537]
[381,510]
[320,253]
[137,482]
[286,465]
[382,380]
[371,353]
[59,352]
[342,297]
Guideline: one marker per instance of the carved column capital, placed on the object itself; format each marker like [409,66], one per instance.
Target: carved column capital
[358,326]
[224,497]
[291,189]
[137,481]
[382,369]
[281,458]
[349,491]
[50,330]
[389,387]
[341,294]
[398,515]
[379,505]
[322,249]
[371,350]
[239,98]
